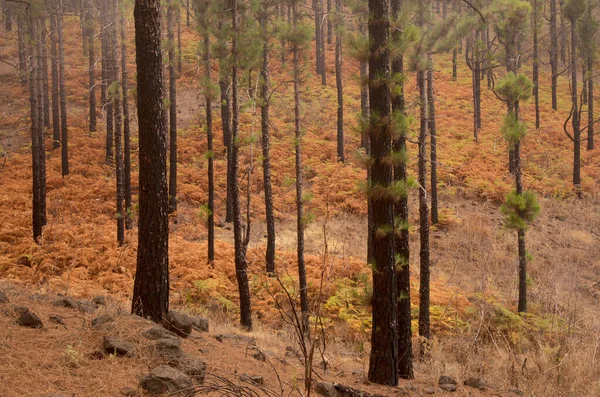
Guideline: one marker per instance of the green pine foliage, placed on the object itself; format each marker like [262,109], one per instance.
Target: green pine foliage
[519,210]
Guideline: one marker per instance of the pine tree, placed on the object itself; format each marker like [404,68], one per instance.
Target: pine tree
[126,128]
[64,137]
[172,107]
[383,363]
[339,19]
[151,287]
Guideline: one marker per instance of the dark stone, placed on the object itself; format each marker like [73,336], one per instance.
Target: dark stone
[259,356]
[130,392]
[179,323]
[3,298]
[448,387]
[326,389]
[99,300]
[255,379]
[220,337]
[447,380]
[67,302]
[476,383]
[102,320]
[165,379]
[157,332]
[56,319]
[200,324]
[118,347]
[169,347]
[192,366]
[28,319]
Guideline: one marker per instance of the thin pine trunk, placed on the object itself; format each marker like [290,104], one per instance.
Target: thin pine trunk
[590,132]
[241,265]
[64,136]
[553,53]
[172,109]
[55,83]
[117,108]
[45,88]
[339,82]
[432,125]
[126,129]
[92,73]
[211,172]
[266,159]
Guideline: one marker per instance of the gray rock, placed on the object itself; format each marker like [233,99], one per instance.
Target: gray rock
[3,298]
[429,390]
[130,392]
[102,320]
[476,383]
[192,366]
[118,347]
[448,387]
[200,324]
[157,332]
[56,319]
[447,380]
[168,347]
[165,379]
[99,300]
[63,301]
[179,323]
[220,338]
[28,319]
[254,379]
[326,389]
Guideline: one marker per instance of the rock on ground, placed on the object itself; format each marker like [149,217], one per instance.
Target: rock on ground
[165,379]
[476,383]
[179,323]
[28,319]
[118,347]
[157,332]
[200,324]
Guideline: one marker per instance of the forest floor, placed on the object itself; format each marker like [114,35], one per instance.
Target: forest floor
[551,351]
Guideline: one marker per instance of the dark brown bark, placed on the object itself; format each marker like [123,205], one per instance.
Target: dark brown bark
[37,140]
[536,63]
[107,74]
[172,109]
[329,22]
[364,94]
[64,135]
[117,108]
[179,53]
[45,88]
[55,83]
[575,122]
[299,177]
[226,126]
[553,53]
[92,67]
[339,80]
[424,279]
[432,125]
[383,363]
[454,64]
[265,141]
[241,265]
[401,238]
[151,287]
[591,121]
[22,51]
[211,166]
[316,4]
[126,129]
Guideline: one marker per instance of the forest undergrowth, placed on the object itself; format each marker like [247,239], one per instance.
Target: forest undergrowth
[550,351]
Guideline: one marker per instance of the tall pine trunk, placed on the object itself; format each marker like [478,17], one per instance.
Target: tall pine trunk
[299,179]
[92,68]
[55,82]
[401,238]
[575,117]
[64,136]
[151,287]
[432,125]
[209,139]
[339,78]
[266,159]
[536,65]
[383,363]
[172,109]
[118,115]
[554,53]
[241,265]
[126,129]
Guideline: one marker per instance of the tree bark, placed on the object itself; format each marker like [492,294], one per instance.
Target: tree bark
[338,79]
[151,287]
[45,88]
[118,116]
[64,135]
[575,119]
[92,68]
[299,177]
[553,53]
[265,140]
[107,74]
[209,139]
[432,125]
[401,237]
[172,109]
[55,82]
[126,128]
[591,121]
[241,265]
[536,65]
[383,362]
